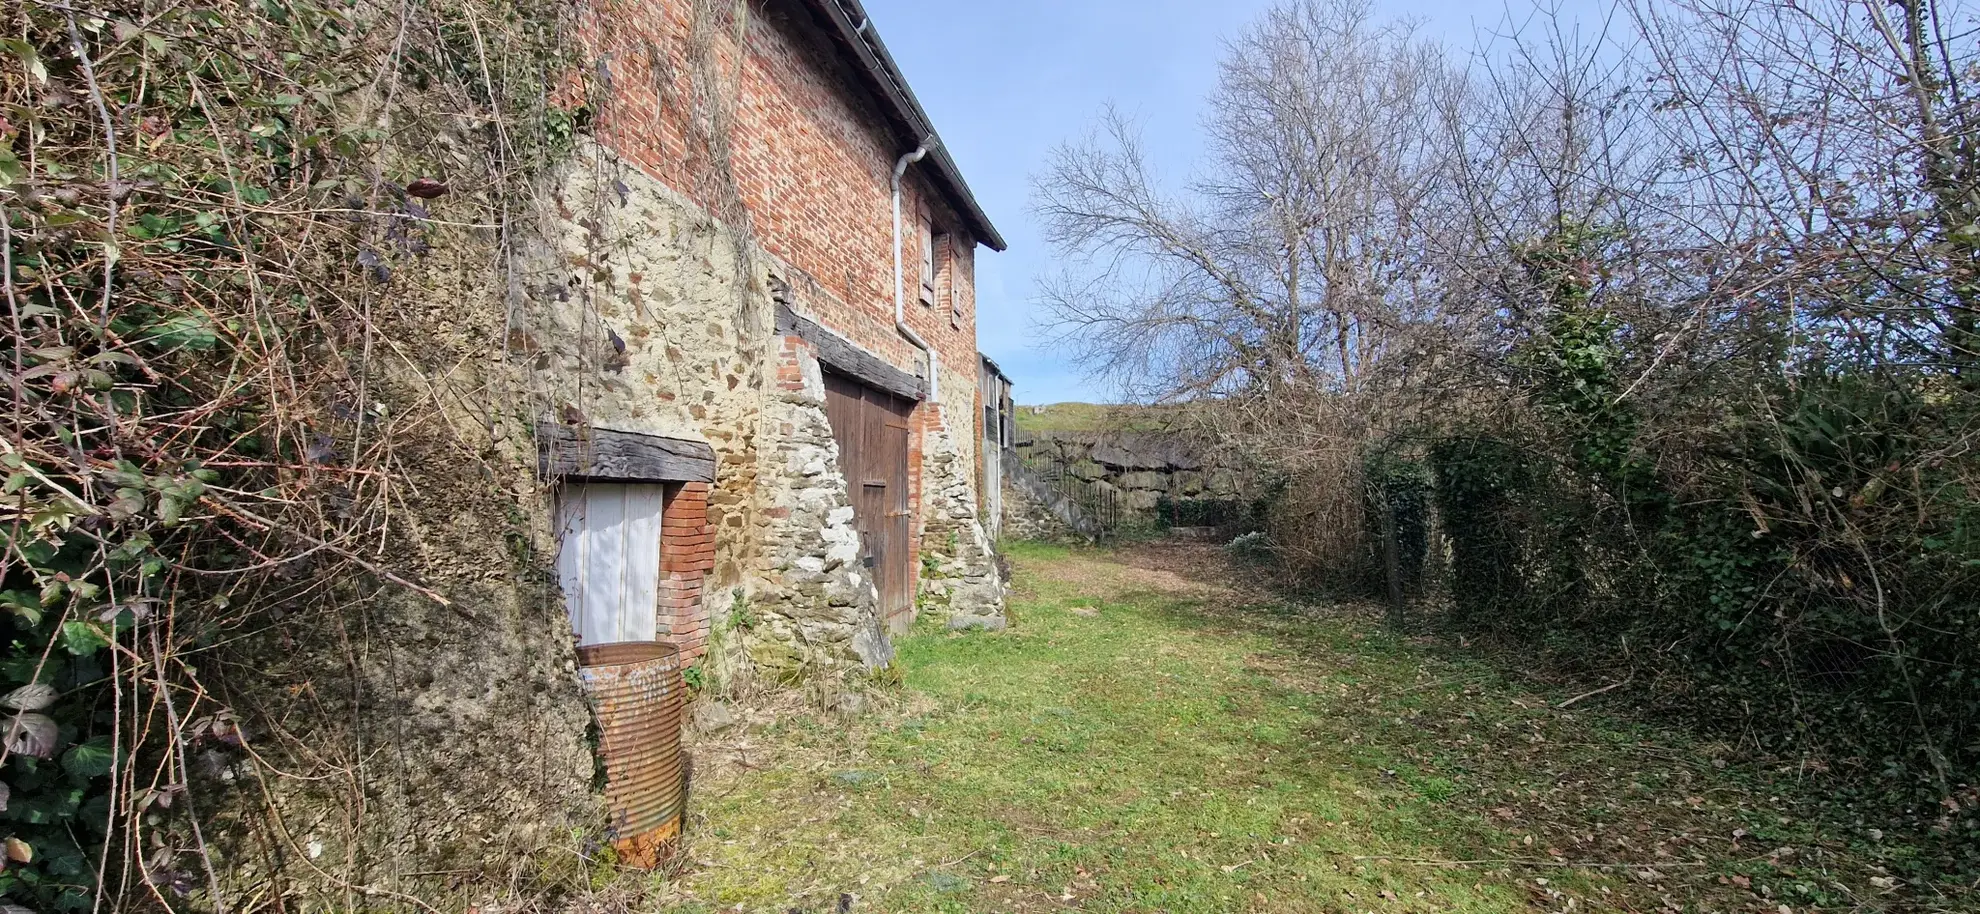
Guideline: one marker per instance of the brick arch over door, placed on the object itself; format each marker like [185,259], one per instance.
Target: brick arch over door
[871,427]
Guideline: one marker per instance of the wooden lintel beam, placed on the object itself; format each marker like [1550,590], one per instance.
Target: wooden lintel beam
[842,356]
[609,455]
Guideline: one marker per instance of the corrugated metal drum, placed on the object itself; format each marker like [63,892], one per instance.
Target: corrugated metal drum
[638,694]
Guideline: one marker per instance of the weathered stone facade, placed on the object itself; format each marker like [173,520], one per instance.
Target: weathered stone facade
[644,314]
[818,606]
[637,298]
[1142,467]
[959,565]
[743,162]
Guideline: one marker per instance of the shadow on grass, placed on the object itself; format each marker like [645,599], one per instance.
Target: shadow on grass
[1480,734]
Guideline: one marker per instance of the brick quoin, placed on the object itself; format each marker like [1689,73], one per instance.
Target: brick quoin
[687,554]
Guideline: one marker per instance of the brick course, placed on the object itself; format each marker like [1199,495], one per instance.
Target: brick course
[687,554]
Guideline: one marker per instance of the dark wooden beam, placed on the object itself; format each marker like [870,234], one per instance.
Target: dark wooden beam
[608,455]
[847,359]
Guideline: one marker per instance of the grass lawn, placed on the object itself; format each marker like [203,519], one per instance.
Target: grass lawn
[1148,737]
[1089,417]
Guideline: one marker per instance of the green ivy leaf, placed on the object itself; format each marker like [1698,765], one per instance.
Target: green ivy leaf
[28,57]
[187,330]
[11,169]
[170,509]
[22,605]
[83,638]
[90,758]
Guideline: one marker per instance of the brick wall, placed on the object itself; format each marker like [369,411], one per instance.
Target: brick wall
[687,553]
[809,160]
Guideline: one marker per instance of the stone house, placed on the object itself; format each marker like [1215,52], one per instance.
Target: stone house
[720,393]
[761,262]
[659,360]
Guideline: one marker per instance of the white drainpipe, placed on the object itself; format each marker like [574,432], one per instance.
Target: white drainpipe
[900,297]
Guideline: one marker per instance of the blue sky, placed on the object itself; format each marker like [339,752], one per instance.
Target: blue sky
[1007,80]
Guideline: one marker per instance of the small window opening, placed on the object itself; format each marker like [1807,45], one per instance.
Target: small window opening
[955,285]
[608,560]
[929,261]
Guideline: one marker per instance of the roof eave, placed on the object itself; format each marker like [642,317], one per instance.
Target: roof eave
[884,76]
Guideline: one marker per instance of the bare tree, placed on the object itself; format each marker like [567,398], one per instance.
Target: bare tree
[1283,266]
[1831,160]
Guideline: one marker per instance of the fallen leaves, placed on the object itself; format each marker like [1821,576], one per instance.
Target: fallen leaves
[31,697]
[32,734]
[426,188]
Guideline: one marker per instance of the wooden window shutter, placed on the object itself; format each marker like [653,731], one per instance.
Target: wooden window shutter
[955,281]
[927,262]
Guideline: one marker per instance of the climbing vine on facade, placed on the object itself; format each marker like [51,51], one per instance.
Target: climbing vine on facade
[206,207]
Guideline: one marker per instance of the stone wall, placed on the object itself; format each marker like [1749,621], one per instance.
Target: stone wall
[449,738]
[1029,515]
[815,608]
[645,316]
[393,736]
[743,148]
[641,314]
[1144,467]
[435,741]
[959,567]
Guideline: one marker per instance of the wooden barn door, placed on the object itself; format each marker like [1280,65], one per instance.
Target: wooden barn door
[871,427]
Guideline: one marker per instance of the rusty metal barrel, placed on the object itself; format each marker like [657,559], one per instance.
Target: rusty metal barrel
[639,697]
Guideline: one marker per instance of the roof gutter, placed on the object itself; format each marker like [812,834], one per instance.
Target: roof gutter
[856,29]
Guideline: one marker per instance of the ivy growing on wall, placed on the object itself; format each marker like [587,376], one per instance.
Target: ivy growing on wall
[207,210]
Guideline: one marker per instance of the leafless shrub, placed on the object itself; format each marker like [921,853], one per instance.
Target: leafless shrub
[1702,274]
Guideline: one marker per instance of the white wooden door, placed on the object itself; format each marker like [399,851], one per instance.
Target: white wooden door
[608,560]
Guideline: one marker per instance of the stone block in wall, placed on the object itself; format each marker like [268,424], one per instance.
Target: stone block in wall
[1115,456]
[1189,482]
[959,569]
[1141,499]
[1144,479]
[817,606]
[1087,469]
[1223,483]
